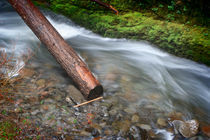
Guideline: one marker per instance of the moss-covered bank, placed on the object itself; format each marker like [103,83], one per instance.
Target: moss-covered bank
[182,40]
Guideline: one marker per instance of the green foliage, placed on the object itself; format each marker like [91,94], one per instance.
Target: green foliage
[155,9]
[182,40]
[161,6]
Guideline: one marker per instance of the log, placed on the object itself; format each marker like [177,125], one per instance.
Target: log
[106,6]
[57,46]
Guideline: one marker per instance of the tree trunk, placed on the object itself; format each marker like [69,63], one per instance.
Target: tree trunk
[57,46]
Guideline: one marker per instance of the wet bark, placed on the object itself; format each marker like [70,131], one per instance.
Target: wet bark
[57,46]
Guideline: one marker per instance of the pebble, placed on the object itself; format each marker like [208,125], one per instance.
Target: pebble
[27,72]
[130,110]
[175,116]
[162,122]
[35,112]
[135,118]
[84,133]
[113,112]
[40,82]
[45,107]
[145,127]
[75,94]
[206,130]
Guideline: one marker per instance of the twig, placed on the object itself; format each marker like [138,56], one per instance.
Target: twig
[88,102]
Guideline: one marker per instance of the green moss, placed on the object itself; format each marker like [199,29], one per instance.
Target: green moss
[182,40]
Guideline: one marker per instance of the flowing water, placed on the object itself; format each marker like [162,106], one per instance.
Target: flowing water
[140,81]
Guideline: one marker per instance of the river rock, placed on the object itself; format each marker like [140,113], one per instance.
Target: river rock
[187,129]
[75,94]
[130,110]
[162,122]
[175,116]
[145,127]
[137,133]
[27,72]
[135,118]
[206,130]
[40,82]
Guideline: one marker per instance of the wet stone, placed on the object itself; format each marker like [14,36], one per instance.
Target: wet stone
[162,122]
[135,118]
[113,112]
[40,82]
[187,129]
[175,116]
[35,112]
[145,127]
[130,110]
[75,94]
[206,130]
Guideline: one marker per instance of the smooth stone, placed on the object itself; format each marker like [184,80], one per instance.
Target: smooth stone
[27,72]
[113,112]
[45,107]
[122,125]
[130,110]
[40,82]
[175,116]
[206,130]
[85,133]
[35,112]
[75,94]
[145,127]
[187,129]
[135,118]
[162,122]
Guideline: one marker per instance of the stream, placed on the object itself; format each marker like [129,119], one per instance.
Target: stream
[142,84]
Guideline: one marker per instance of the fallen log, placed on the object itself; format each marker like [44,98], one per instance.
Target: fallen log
[106,5]
[57,46]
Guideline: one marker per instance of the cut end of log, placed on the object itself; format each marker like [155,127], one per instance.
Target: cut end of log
[96,92]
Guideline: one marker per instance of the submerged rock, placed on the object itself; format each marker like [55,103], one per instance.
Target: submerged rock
[187,129]
[75,94]
[135,118]
[162,122]
[206,130]
[40,82]
[145,127]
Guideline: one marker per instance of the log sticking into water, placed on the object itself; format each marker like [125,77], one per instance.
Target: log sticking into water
[107,6]
[58,47]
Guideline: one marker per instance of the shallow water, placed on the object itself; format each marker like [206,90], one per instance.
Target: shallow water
[137,77]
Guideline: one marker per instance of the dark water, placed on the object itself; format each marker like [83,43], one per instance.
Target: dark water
[143,77]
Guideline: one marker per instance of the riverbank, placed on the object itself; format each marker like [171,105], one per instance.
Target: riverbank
[182,40]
